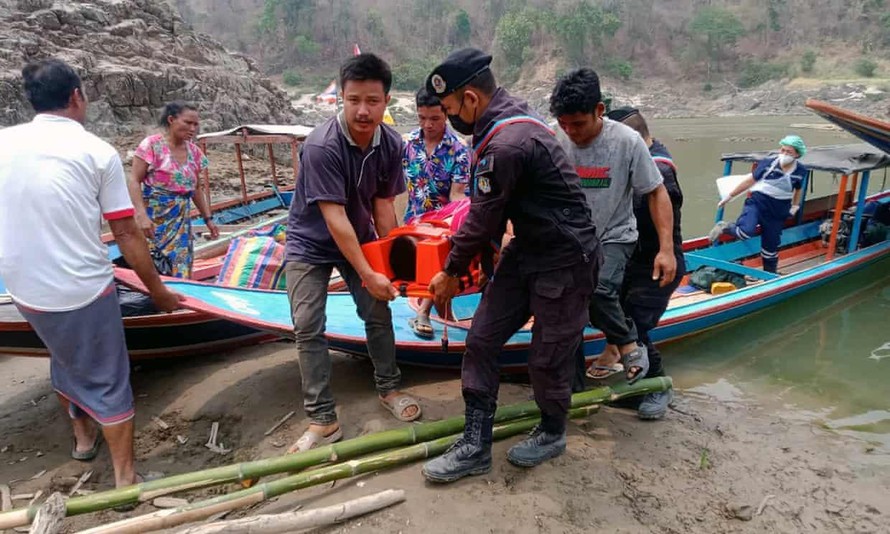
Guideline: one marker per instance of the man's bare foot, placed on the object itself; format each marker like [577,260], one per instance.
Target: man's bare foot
[604,365]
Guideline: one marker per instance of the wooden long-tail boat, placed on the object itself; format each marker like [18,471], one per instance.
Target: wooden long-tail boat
[873,131]
[822,243]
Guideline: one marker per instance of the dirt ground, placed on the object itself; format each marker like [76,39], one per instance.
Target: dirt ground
[696,471]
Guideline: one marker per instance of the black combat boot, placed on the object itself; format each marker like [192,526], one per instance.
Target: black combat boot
[546,441]
[470,455]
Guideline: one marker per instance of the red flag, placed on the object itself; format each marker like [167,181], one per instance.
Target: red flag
[355,50]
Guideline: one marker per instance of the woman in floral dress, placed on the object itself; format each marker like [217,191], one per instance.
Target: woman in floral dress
[164,180]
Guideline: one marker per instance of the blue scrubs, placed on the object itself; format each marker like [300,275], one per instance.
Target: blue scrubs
[768,206]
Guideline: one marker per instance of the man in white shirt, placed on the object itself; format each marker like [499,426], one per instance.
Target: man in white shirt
[56,181]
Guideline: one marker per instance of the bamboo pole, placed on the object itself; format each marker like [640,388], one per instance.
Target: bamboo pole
[336,452]
[291,522]
[247,497]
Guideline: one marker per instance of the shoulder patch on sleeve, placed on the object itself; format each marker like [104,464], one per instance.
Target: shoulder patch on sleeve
[482,174]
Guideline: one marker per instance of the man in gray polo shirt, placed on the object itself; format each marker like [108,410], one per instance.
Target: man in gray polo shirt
[350,171]
[613,163]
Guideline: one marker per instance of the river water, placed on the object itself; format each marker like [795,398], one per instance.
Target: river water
[823,356]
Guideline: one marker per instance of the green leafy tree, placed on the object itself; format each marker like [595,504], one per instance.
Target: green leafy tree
[514,33]
[292,78]
[306,47]
[720,29]
[774,14]
[619,68]
[807,61]
[461,29]
[754,73]
[375,26]
[581,26]
[865,67]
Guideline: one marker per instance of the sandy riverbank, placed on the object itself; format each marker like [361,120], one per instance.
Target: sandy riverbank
[685,474]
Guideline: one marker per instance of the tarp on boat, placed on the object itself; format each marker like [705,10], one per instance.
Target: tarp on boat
[840,159]
[294,130]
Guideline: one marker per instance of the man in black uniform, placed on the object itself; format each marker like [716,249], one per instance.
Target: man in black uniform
[548,270]
[643,299]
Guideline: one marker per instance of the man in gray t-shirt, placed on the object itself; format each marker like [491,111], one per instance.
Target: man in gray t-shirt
[613,163]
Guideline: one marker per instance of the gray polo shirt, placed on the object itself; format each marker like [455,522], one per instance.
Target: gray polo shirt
[333,168]
[614,166]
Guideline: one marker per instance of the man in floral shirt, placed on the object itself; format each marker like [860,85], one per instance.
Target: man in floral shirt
[437,168]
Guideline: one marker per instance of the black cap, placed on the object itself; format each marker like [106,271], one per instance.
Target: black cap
[621,114]
[456,71]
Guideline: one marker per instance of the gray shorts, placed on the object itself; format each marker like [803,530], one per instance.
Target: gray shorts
[89,364]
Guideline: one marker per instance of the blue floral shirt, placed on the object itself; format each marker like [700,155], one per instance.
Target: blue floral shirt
[429,178]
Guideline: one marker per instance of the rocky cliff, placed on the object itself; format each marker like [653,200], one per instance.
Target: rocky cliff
[133,56]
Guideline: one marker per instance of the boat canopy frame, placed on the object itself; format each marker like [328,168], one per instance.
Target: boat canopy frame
[251,134]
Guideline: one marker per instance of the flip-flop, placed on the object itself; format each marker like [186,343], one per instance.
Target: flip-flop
[639,358]
[399,404]
[312,439]
[88,455]
[613,370]
[420,324]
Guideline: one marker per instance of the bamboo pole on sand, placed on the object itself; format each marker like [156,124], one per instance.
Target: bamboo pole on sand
[336,452]
[293,521]
[247,497]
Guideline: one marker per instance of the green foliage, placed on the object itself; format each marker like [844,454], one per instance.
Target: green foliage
[581,26]
[461,29]
[374,25]
[807,61]
[865,67]
[410,75]
[619,68]
[292,78]
[754,73]
[708,87]
[773,13]
[514,33]
[885,29]
[291,15]
[306,47]
[720,28]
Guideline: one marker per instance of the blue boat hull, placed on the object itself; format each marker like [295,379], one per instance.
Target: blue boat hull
[270,311]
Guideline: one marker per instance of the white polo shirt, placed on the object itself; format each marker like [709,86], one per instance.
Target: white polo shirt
[56,182]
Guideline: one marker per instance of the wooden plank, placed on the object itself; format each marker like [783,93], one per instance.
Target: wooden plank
[49,516]
[250,139]
[735,250]
[836,222]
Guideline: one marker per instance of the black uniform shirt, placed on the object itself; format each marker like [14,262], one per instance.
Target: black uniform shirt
[524,175]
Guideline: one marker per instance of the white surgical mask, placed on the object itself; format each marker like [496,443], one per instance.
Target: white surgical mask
[785,159]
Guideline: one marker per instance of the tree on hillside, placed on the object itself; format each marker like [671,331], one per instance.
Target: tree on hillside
[720,29]
[580,26]
[513,35]
[461,30]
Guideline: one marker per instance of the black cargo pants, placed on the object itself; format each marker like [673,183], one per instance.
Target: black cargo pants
[558,300]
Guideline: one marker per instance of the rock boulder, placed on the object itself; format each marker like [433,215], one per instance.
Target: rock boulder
[133,56]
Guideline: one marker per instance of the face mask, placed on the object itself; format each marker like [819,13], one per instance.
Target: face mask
[785,159]
[461,126]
